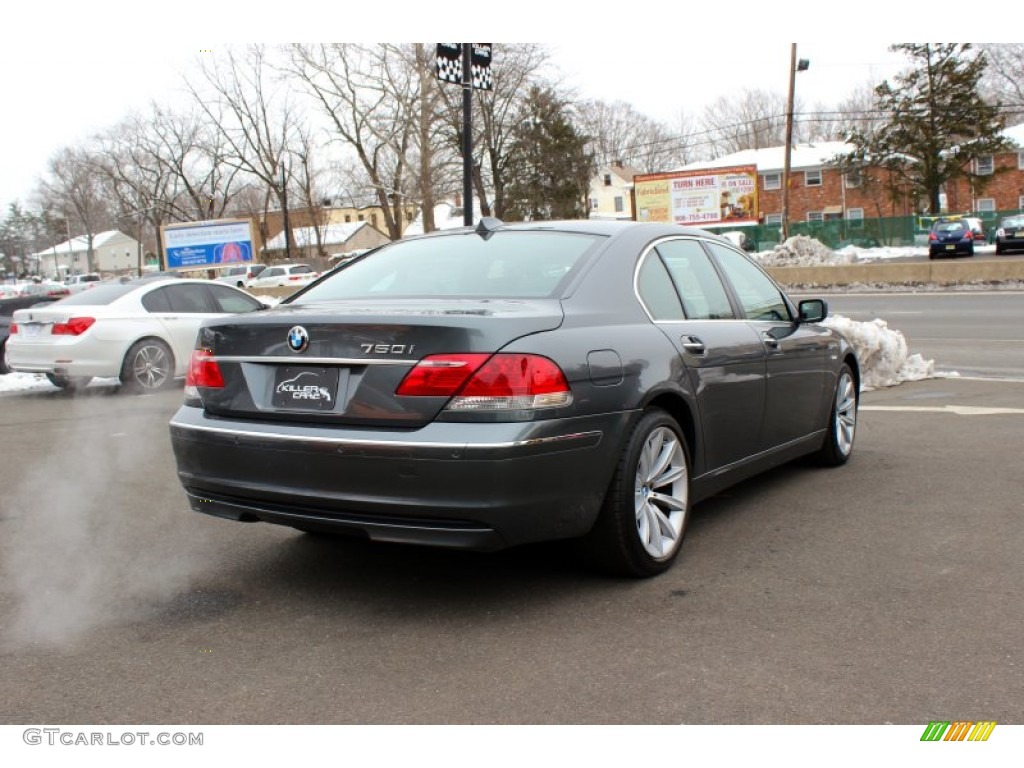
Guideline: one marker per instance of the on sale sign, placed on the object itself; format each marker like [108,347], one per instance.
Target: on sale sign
[699,197]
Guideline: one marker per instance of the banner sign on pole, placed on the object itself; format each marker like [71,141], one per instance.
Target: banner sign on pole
[481,66]
[449,64]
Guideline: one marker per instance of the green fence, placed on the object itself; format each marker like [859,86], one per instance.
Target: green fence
[898,231]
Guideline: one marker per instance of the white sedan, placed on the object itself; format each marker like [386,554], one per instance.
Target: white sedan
[284,275]
[142,332]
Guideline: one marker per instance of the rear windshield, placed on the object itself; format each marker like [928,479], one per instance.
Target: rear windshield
[953,226]
[101,294]
[506,265]
[1014,223]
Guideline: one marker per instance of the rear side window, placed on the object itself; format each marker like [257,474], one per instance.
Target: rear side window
[512,264]
[231,301]
[704,296]
[656,291]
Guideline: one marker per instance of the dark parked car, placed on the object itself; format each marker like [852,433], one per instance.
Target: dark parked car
[1010,234]
[516,383]
[7,307]
[950,238]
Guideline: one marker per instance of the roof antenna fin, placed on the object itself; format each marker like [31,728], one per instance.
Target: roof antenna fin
[487,226]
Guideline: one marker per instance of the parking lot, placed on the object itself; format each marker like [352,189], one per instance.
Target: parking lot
[885,591]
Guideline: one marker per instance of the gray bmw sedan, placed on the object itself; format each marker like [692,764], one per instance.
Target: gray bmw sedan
[512,383]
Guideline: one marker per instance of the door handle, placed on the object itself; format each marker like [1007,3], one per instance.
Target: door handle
[693,345]
[770,341]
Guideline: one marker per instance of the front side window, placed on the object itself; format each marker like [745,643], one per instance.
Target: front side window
[759,298]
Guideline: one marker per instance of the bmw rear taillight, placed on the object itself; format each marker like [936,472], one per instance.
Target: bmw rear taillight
[440,375]
[203,371]
[13,329]
[505,382]
[75,326]
[932,237]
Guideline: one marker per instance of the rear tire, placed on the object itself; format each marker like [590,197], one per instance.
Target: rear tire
[640,529]
[999,250]
[842,423]
[148,367]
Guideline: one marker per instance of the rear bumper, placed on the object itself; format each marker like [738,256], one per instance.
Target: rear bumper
[944,249]
[466,485]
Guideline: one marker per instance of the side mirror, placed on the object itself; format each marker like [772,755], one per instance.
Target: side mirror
[813,310]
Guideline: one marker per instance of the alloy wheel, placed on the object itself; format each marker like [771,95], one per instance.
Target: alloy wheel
[661,493]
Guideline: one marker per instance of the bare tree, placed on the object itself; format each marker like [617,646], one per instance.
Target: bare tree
[754,119]
[75,189]
[366,94]
[619,133]
[1003,80]
[254,113]
[309,178]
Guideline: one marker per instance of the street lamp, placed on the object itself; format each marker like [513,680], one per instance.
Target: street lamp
[794,67]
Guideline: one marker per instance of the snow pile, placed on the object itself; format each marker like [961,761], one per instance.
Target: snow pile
[884,358]
[803,251]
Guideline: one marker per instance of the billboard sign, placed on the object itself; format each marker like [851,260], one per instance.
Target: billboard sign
[698,198]
[208,244]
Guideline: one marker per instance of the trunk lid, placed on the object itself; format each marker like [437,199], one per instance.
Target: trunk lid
[353,355]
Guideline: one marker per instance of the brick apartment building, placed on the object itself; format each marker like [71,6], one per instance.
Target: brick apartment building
[819,192]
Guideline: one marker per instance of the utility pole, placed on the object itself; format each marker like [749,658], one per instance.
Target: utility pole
[794,67]
[284,214]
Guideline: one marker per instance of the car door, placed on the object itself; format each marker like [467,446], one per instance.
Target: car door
[796,354]
[180,309]
[722,355]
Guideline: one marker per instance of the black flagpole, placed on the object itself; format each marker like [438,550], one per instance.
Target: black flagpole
[467,135]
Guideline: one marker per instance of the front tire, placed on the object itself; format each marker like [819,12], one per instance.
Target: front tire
[148,367]
[842,423]
[640,529]
[4,366]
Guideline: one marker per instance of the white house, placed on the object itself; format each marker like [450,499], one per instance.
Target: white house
[350,236]
[112,251]
[611,190]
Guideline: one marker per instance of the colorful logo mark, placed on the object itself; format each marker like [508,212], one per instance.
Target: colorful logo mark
[958,730]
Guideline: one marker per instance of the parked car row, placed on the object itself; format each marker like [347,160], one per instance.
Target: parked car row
[141,331]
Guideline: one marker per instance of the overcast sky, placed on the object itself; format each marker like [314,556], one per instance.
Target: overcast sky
[68,72]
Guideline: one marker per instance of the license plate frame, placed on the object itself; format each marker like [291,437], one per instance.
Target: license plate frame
[306,387]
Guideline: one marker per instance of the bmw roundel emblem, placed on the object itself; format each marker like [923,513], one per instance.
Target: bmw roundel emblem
[298,339]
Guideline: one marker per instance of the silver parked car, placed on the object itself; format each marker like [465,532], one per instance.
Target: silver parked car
[515,383]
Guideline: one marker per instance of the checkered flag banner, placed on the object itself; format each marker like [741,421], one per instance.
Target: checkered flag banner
[449,64]
[481,66]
